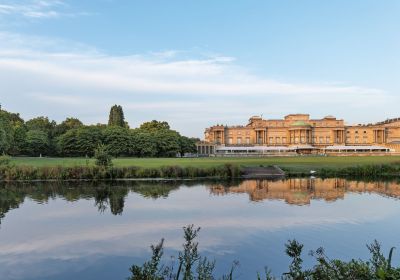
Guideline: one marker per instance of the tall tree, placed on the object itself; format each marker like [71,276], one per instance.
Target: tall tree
[116,117]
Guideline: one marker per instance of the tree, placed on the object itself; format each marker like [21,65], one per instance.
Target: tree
[167,143]
[154,125]
[48,127]
[67,143]
[41,123]
[4,144]
[188,145]
[80,141]
[19,140]
[6,131]
[116,117]
[88,138]
[118,141]
[37,142]
[143,143]
[67,124]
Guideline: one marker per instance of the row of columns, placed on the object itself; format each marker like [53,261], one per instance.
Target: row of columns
[379,136]
[261,136]
[298,135]
[304,136]
[339,136]
[219,136]
[205,149]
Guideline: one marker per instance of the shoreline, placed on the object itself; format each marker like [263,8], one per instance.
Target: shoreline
[173,173]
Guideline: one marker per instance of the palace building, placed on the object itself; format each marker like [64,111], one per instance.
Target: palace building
[298,134]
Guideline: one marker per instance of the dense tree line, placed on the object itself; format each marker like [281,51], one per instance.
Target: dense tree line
[41,136]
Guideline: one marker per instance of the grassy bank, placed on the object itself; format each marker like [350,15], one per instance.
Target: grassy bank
[133,168]
[295,164]
[24,173]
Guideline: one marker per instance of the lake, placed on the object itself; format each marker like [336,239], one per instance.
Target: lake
[98,230]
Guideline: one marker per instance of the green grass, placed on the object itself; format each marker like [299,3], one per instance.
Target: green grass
[292,163]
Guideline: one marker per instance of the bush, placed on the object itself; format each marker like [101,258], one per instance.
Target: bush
[5,160]
[103,158]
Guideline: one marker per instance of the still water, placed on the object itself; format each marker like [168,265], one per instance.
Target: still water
[97,231]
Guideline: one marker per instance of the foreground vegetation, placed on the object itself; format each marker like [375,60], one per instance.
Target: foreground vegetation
[294,164]
[189,264]
[9,172]
[104,168]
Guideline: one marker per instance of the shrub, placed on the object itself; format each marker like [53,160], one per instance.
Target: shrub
[5,160]
[103,158]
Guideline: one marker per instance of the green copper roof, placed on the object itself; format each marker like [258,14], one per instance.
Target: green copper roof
[300,123]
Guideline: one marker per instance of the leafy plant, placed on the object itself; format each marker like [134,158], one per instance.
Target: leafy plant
[377,268]
[103,158]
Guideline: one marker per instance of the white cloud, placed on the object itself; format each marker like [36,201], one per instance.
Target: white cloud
[81,80]
[36,9]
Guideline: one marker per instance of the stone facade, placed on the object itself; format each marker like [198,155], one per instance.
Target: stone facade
[299,130]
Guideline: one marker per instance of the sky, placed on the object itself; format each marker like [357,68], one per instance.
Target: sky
[200,63]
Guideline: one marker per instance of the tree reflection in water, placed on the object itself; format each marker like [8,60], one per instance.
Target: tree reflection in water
[107,195]
[112,195]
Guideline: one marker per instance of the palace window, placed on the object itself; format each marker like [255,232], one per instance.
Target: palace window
[239,133]
[230,140]
[247,140]
[356,139]
[284,140]
[365,139]
[328,139]
[278,140]
[239,140]
[230,133]
[321,139]
[247,132]
[271,140]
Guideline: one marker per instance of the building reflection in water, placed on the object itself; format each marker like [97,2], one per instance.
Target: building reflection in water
[300,191]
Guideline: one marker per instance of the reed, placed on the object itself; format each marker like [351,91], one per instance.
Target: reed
[58,173]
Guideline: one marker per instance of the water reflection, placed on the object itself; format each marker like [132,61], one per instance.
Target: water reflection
[301,191]
[97,230]
[107,195]
[110,196]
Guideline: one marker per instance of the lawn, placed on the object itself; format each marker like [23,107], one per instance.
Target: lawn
[301,163]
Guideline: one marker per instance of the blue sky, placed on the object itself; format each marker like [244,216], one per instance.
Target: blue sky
[197,63]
